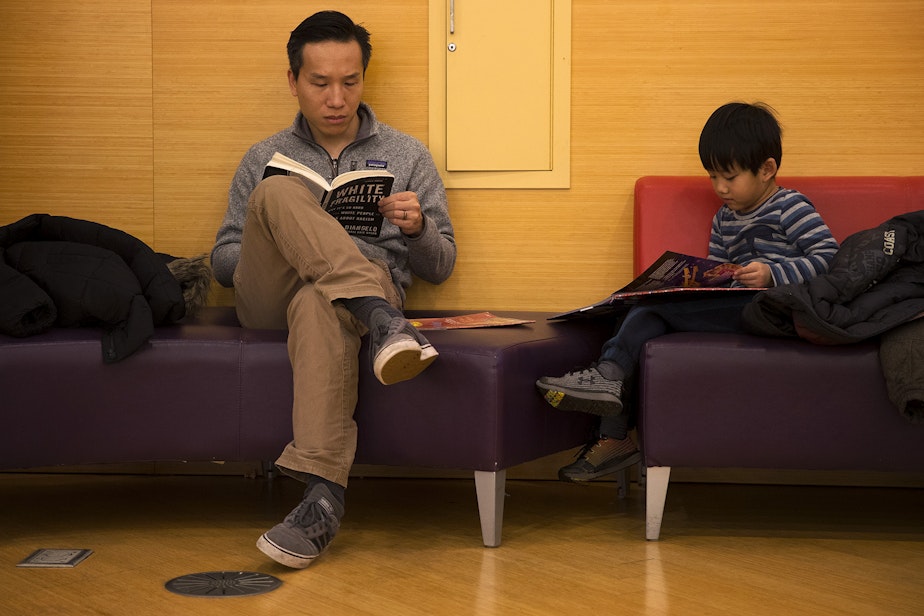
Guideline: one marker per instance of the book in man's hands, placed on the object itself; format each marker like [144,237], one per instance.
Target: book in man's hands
[672,273]
[352,197]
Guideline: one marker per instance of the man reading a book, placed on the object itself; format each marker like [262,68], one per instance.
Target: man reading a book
[293,266]
[774,234]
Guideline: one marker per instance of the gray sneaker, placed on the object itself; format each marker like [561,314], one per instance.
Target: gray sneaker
[399,351]
[583,390]
[306,531]
[602,457]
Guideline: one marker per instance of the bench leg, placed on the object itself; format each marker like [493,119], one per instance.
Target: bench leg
[269,469]
[622,483]
[657,478]
[489,488]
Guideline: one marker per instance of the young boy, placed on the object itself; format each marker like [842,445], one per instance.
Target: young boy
[774,233]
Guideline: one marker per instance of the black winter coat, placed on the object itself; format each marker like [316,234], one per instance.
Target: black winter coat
[874,283]
[901,355]
[58,271]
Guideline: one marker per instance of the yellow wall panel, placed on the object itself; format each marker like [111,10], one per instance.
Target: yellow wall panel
[482,134]
[500,102]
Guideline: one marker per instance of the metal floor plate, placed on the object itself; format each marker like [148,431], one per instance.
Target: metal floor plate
[223,584]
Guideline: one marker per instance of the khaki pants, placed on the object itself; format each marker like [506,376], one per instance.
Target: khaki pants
[296,260]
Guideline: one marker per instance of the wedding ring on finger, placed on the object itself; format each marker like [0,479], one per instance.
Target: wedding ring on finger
[405,215]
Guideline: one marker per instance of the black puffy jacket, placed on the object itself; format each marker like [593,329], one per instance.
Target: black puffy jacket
[874,283]
[59,271]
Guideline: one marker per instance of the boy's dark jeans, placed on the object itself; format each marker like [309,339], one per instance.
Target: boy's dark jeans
[719,314]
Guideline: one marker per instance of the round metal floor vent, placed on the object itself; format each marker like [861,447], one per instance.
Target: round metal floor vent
[223,584]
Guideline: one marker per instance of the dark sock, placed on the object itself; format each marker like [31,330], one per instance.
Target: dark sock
[364,309]
[611,371]
[336,489]
[615,426]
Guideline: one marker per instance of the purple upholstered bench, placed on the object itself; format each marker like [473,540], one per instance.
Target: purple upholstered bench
[210,390]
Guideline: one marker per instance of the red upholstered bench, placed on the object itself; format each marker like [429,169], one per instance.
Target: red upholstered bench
[736,401]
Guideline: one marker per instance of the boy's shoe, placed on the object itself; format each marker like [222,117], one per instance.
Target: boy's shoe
[583,390]
[306,531]
[399,351]
[603,457]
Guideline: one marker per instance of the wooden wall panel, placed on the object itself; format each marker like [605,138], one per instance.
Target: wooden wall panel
[75,112]
[846,78]
[146,107]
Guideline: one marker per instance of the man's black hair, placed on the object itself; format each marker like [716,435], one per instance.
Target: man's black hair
[326,26]
[740,135]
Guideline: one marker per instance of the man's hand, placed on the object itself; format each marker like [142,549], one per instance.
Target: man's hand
[403,210]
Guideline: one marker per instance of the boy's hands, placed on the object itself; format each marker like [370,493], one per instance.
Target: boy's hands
[754,275]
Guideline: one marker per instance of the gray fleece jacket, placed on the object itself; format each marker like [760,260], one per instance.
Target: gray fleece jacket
[431,255]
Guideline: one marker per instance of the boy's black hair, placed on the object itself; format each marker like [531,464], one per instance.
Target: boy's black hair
[740,135]
[326,26]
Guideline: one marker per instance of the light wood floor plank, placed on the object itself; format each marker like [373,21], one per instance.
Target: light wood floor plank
[413,546]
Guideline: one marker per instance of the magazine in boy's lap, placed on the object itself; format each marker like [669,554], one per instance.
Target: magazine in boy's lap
[352,197]
[672,274]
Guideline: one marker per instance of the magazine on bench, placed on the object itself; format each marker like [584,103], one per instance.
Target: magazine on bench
[466,321]
[672,273]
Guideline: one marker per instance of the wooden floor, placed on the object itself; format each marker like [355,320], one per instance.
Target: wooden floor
[413,546]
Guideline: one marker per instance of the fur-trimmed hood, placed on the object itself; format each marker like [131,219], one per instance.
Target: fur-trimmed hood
[195,277]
